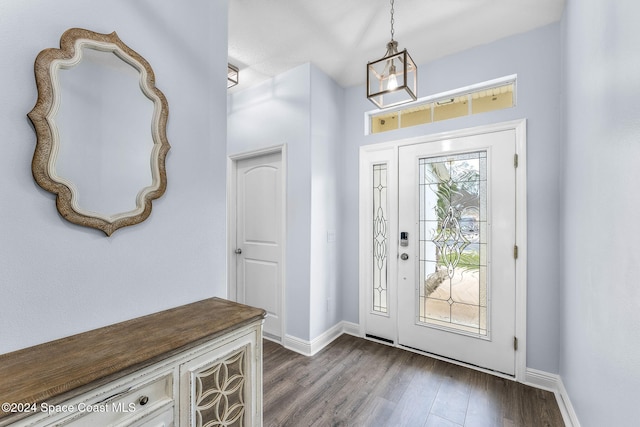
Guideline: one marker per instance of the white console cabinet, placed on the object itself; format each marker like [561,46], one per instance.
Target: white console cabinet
[204,371]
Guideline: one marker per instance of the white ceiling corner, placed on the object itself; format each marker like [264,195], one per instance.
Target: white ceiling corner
[269,37]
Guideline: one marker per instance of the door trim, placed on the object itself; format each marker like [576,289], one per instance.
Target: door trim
[232,168]
[520,128]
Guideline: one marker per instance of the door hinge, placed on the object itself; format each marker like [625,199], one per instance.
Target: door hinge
[515,251]
[515,343]
[515,160]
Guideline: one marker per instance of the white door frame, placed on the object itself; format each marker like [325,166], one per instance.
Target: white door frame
[367,153]
[232,168]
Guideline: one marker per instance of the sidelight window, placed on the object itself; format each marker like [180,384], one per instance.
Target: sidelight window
[380,238]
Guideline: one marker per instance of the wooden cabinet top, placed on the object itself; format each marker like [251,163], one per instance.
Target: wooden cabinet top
[58,370]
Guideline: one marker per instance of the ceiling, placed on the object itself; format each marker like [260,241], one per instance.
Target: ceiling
[268,37]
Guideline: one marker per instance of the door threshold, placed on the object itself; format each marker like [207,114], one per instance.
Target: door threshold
[438,357]
[380,339]
[457,362]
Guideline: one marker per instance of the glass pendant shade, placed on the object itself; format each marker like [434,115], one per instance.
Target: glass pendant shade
[392,80]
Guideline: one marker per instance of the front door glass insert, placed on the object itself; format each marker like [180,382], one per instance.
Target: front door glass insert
[453,243]
[380,238]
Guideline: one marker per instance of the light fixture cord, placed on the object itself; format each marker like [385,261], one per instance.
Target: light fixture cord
[392,20]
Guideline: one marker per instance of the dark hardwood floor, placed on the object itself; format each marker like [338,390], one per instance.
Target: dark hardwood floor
[356,382]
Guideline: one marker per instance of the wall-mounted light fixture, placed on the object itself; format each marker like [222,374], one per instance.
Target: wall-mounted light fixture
[232,75]
[393,79]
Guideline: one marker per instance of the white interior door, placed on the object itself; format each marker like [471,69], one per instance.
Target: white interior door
[258,248]
[456,267]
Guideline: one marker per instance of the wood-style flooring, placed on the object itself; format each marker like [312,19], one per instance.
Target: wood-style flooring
[356,382]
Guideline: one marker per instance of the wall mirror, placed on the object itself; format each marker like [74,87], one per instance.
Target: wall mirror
[100,124]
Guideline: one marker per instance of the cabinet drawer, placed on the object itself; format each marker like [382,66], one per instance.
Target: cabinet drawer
[157,419]
[126,407]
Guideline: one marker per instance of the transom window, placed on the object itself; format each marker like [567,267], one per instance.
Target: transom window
[488,96]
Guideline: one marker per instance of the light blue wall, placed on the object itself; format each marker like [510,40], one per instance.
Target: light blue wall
[327,119]
[535,58]
[301,108]
[600,312]
[57,278]
[296,108]
[272,113]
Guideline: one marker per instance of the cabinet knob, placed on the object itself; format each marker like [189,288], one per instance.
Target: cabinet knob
[143,400]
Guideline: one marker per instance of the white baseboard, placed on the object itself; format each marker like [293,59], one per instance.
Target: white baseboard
[351,329]
[541,379]
[296,344]
[553,383]
[566,406]
[309,348]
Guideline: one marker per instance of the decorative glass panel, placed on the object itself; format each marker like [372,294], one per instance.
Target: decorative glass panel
[453,242]
[380,238]
[219,393]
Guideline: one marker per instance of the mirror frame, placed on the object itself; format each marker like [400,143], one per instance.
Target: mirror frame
[47,64]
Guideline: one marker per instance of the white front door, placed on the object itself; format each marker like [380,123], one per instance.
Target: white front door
[258,240]
[456,267]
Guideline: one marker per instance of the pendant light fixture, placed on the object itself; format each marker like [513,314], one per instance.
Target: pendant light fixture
[233,75]
[392,80]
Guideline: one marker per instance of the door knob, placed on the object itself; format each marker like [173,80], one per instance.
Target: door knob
[238,251]
[404,257]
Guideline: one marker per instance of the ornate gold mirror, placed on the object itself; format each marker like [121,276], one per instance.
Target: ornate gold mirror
[100,124]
